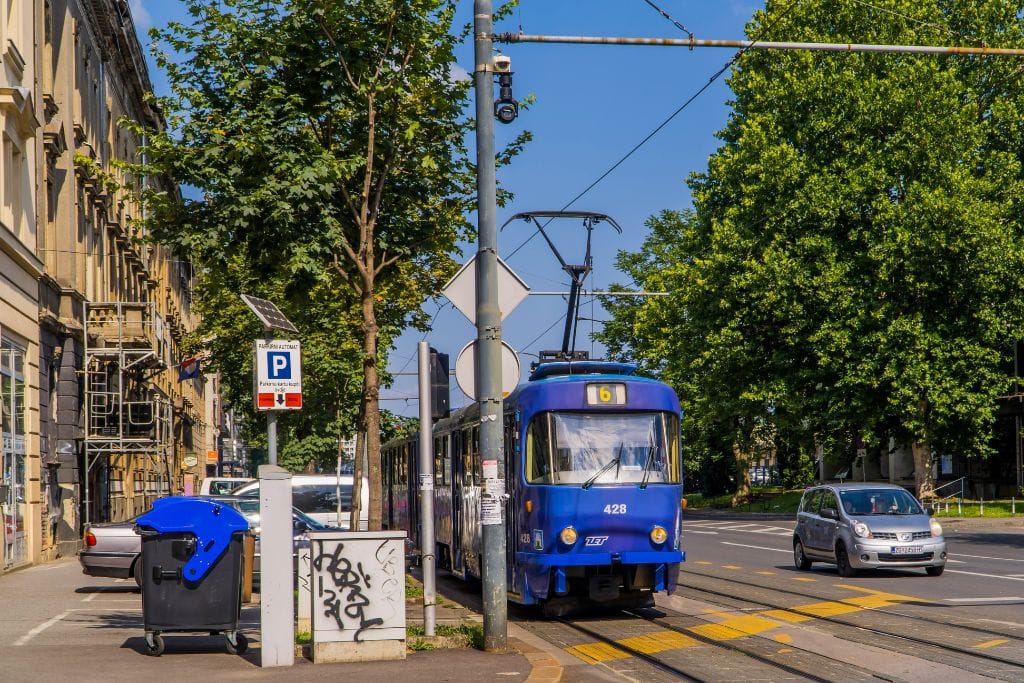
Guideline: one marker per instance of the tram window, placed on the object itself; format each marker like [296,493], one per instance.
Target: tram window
[603,448]
[467,457]
[441,461]
[478,475]
[538,450]
[400,465]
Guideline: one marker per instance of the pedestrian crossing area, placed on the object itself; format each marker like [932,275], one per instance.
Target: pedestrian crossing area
[713,526]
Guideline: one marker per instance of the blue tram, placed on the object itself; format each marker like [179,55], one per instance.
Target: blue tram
[594,481]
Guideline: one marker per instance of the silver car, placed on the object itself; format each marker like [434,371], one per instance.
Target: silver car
[114,549]
[866,526]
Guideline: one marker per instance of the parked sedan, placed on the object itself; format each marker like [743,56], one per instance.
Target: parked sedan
[866,526]
[114,549]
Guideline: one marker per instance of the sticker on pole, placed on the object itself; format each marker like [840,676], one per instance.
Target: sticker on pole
[278,376]
[490,511]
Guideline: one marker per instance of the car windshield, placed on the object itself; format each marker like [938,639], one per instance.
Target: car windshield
[298,515]
[880,502]
[602,448]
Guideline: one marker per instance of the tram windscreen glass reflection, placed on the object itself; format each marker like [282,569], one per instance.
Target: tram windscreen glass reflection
[588,449]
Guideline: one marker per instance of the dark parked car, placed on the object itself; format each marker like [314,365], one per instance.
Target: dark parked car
[113,549]
[866,526]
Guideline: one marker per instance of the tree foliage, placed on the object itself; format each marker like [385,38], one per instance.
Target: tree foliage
[852,267]
[326,142]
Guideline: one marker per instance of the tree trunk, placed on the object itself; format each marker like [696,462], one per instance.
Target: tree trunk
[923,470]
[742,494]
[371,406]
[923,460]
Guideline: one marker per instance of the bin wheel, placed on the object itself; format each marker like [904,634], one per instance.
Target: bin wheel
[239,645]
[154,644]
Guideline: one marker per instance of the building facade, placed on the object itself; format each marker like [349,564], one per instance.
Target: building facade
[96,423]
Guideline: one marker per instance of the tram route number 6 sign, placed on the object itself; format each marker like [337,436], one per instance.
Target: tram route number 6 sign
[278,375]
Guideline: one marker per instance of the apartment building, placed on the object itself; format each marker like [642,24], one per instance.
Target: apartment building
[96,423]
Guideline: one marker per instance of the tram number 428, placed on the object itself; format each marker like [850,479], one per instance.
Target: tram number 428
[615,509]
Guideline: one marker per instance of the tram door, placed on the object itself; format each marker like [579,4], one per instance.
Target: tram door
[511,504]
[458,466]
[412,489]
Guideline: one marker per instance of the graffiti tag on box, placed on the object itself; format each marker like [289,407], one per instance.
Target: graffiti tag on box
[359,586]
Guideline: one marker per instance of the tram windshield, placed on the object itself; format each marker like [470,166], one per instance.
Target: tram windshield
[585,449]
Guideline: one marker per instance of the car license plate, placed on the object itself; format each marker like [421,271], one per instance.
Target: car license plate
[904,550]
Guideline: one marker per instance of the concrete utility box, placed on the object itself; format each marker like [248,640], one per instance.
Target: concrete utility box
[358,595]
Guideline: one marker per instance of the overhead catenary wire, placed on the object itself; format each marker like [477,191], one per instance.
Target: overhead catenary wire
[508,37]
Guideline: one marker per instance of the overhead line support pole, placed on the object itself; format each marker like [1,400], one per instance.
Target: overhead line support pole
[488,326]
[759,45]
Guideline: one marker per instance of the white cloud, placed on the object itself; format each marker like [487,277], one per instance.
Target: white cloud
[141,17]
[456,73]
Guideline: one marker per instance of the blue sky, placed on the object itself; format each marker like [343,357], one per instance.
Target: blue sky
[593,104]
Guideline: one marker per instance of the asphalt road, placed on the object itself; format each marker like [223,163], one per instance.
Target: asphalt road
[984,577]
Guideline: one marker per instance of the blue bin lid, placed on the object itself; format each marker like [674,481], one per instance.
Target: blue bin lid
[211,522]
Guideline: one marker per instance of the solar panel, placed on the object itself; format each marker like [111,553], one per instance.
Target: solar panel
[269,314]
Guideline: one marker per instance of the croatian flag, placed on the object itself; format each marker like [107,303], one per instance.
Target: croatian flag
[188,369]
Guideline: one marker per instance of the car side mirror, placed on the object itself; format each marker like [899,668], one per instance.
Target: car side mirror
[931,511]
[299,526]
[829,513]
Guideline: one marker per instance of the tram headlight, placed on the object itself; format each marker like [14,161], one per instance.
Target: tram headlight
[568,536]
[861,530]
[936,528]
[659,535]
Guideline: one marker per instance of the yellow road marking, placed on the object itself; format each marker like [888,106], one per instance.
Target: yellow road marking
[592,653]
[735,627]
[785,650]
[703,562]
[891,597]
[766,573]
[826,609]
[730,566]
[991,643]
[658,642]
[803,578]
[785,615]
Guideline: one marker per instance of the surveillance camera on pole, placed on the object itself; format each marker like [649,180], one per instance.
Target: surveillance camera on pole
[506,108]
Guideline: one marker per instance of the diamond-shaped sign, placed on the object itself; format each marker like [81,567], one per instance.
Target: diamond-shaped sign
[461,289]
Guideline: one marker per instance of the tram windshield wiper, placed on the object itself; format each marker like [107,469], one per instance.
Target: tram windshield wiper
[614,462]
[647,466]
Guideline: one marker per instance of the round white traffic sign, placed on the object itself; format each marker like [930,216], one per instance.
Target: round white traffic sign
[465,369]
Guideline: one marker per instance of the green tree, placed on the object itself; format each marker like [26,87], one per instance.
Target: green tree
[327,142]
[854,255]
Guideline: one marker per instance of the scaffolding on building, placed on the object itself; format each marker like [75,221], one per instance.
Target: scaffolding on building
[127,415]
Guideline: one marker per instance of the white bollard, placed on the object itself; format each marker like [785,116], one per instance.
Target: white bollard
[277,601]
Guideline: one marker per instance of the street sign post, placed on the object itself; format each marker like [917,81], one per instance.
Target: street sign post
[278,376]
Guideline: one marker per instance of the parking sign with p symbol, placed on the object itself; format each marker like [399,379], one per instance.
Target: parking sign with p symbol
[279,365]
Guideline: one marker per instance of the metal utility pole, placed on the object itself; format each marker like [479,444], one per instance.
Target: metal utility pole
[488,328]
[426,481]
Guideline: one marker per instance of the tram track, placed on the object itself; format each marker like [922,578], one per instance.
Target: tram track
[702,591]
[747,651]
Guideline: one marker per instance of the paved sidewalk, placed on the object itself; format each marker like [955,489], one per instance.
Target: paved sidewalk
[56,623]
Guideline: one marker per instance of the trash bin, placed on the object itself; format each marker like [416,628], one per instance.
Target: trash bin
[192,551]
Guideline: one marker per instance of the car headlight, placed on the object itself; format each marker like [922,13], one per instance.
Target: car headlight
[861,529]
[568,535]
[936,528]
[659,535]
